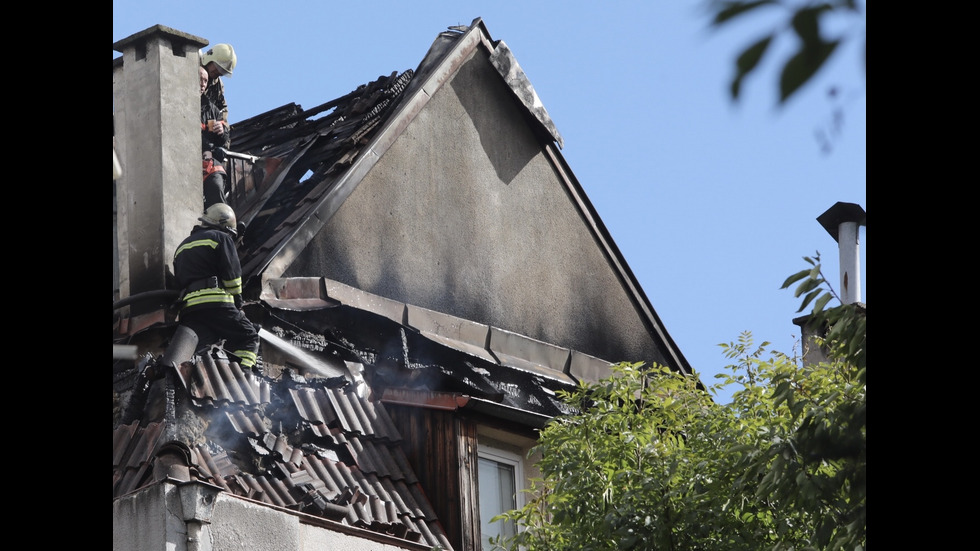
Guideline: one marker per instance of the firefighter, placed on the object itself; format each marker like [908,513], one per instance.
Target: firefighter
[209,273]
[219,61]
[215,131]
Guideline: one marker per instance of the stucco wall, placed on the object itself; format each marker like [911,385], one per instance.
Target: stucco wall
[142,521]
[465,215]
[152,519]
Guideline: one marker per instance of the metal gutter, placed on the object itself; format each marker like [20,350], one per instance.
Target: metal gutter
[446,401]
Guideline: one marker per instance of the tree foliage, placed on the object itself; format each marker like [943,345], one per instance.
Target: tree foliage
[804,19]
[845,326]
[650,461]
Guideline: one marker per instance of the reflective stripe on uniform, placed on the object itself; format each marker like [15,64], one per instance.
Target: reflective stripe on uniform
[233,286]
[198,243]
[208,296]
[247,357]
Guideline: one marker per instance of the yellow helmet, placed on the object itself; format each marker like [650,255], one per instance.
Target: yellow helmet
[223,55]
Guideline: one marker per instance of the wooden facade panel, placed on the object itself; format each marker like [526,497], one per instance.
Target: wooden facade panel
[468,461]
[442,449]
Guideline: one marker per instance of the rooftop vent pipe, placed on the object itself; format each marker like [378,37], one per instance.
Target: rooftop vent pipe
[842,222]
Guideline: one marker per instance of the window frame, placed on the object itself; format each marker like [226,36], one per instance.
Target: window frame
[505,457]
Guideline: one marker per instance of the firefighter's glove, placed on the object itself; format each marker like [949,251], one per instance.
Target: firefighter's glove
[238,301]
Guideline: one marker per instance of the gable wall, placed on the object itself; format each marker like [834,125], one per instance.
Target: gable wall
[465,215]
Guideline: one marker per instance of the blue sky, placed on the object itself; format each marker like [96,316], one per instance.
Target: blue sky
[712,203]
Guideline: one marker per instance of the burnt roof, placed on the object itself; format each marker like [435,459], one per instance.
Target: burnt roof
[311,433]
[315,446]
[303,153]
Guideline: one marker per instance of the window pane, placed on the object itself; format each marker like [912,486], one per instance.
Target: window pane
[498,493]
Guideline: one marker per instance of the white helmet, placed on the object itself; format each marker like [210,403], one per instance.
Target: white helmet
[221,216]
[223,55]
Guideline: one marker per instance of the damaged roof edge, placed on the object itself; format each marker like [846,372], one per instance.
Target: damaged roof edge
[506,64]
[489,343]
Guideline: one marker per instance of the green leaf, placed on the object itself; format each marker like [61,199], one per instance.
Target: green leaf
[821,302]
[813,294]
[806,23]
[803,65]
[747,61]
[794,278]
[730,10]
[807,286]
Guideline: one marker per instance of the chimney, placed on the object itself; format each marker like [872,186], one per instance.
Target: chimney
[156,135]
[842,222]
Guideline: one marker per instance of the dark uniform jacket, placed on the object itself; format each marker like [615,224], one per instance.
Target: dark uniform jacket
[212,140]
[215,92]
[208,270]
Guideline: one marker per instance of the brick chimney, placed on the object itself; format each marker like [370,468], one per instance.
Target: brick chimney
[156,135]
[842,221]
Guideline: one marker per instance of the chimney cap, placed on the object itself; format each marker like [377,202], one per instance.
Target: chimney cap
[175,36]
[840,213]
